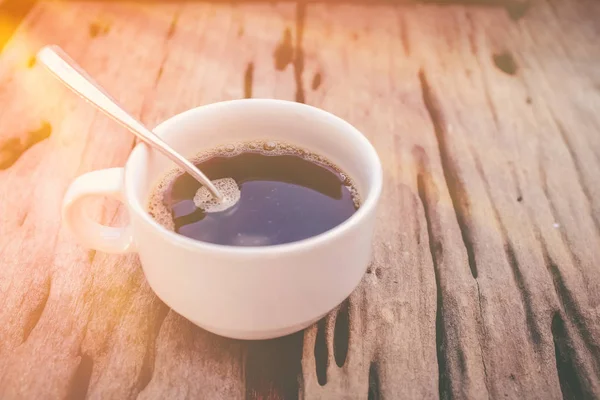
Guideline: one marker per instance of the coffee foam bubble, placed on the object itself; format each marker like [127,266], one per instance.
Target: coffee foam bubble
[229,190]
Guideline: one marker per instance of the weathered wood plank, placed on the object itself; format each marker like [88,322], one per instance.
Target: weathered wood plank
[69,321]
[98,321]
[391,317]
[563,173]
[476,114]
[484,279]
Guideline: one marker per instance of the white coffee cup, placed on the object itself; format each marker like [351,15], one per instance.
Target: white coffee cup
[239,292]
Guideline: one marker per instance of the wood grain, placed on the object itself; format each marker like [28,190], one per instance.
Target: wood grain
[485,280]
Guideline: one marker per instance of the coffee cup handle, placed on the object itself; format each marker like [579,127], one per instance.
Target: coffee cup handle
[108,183]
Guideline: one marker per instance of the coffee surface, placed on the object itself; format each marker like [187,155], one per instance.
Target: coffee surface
[275,194]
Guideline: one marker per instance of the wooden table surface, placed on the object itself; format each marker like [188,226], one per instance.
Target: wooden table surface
[485,281]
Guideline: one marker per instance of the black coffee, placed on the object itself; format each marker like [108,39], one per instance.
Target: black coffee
[285,194]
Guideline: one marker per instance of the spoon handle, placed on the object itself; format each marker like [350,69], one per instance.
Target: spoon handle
[73,76]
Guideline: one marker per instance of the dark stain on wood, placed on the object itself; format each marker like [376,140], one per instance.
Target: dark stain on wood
[91,256]
[321,354]
[81,379]
[11,149]
[316,82]
[287,52]
[94,29]
[517,9]
[248,78]
[31,62]
[284,52]
[374,392]
[273,367]
[570,384]
[341,334]
[98,28]
[505,62]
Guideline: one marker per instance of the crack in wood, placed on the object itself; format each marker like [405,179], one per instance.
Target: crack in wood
[530,320]
[341,334]
[23,218]
[513,172]
[481,326]
[404,35]
[273,368]
[460,202]
[159,74]
[161,68]
[458,196]
[374,392]
[471,34]
[147,369]
[435,248]
[80,382]
[570,384]
[173,26]
[316,82]
[321,354]
[299,53]
[569,305]
[248,78]
[170,33]
[578,170]
[34,316]
[486,92]
[553,209]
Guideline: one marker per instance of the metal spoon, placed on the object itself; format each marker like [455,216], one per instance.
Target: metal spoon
[72,75]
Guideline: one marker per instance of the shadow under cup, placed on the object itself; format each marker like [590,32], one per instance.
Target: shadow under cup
[255,292]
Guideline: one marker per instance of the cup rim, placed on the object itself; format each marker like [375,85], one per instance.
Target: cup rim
[141,150]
